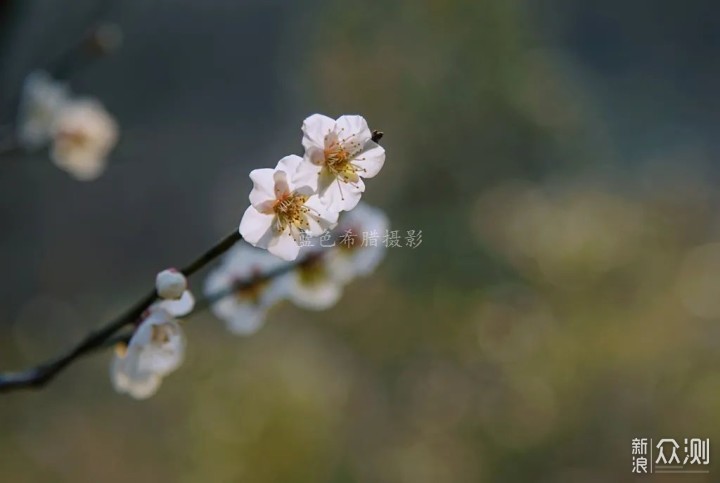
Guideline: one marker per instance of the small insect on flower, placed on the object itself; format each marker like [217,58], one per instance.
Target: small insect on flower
[83,135]
[241,296]
[338,154]
[156,349]
[41,100]
[282,209]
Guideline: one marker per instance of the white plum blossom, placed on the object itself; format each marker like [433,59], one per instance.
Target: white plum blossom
[282,209]
[170,284]
[83,135]
[41,99]
[243,307]
[313,284]
[368,225]
[156,349]
[338,154]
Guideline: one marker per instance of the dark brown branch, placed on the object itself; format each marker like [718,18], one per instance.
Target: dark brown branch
[39,376]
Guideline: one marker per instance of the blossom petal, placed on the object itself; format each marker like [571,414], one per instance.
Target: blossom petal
[263,186]
[180,307]
[284,246]
[137,385]
[289,164]
[353,129]
[246,319]
[81,165]
[307,174]
[41,99]
[341,266]
[281,184]
[316,296]
[315,128]
[341,196]
[321,217]
[370,161]
[254,225]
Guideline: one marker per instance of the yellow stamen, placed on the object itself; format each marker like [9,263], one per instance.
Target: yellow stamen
[289,210]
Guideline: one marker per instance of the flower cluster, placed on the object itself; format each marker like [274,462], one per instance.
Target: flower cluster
[250,281]
[304,196]
[157,347]
[80,132]
[316,196]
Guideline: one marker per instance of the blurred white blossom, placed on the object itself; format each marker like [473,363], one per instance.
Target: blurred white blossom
[331,262]
[41,99]
[282,210]
[338,154]
[313,284]
[170,284]
[360,258]
[83,134]
[156,349]
[243,307]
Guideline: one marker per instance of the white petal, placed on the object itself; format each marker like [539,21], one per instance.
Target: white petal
[321,216]
[284,246]
[368,258]
[145,387]
[341,196]
[263,186]
[315,128]
[137,385]
[353,128]
[276,291]
[255,225]
[289,164]
[246,319]
[307,174]
[316,296]
[41,99]
[244,261]
[365,218]
[81,164]
[180,307]
[217,280]
[370,161]
[341,266]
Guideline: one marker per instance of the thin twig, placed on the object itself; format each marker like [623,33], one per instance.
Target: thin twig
[39,376]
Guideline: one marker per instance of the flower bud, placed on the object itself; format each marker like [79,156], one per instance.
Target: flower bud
[170,284]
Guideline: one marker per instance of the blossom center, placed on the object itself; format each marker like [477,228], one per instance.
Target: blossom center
[73,139]
[252,290]
[338,156]
[312,271]
[161,333]
[290,210]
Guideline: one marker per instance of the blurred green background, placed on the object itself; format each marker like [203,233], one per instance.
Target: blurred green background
[559,157]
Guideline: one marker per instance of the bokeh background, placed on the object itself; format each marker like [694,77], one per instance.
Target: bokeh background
[560,158]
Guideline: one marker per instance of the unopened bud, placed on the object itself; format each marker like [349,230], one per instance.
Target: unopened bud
[170,284]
